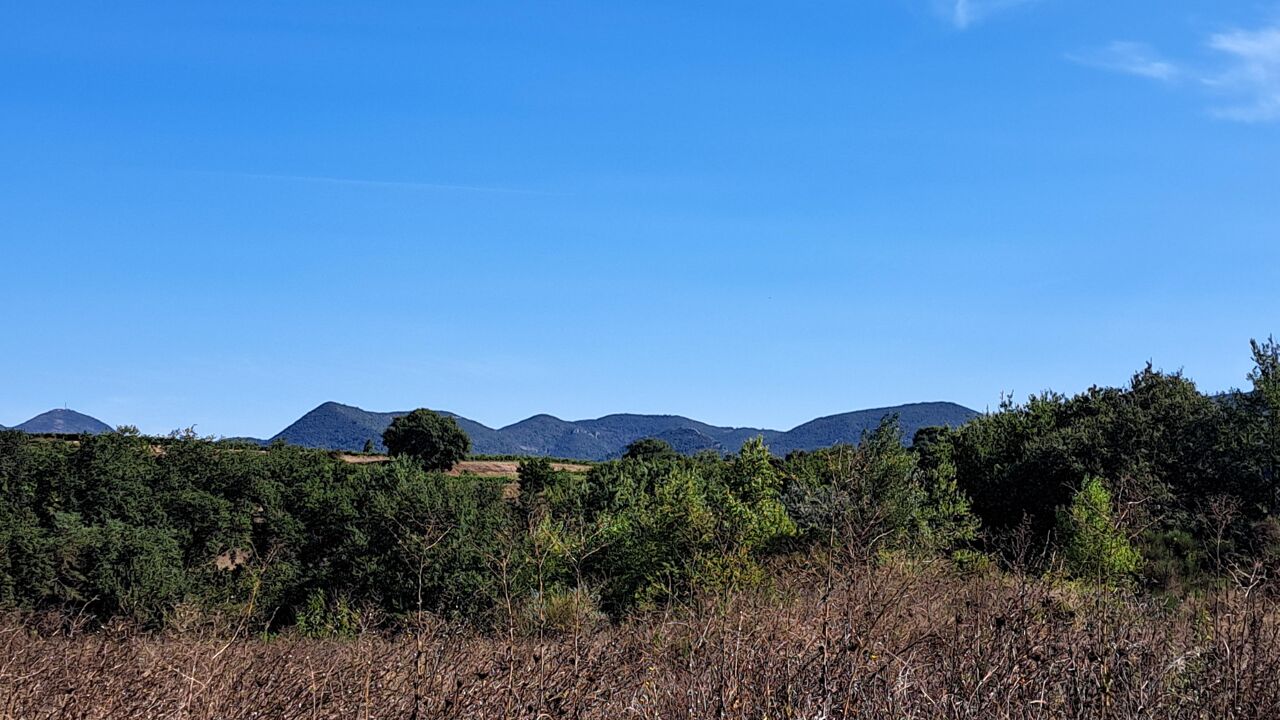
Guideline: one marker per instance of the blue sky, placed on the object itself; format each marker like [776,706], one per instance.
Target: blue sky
[223,214]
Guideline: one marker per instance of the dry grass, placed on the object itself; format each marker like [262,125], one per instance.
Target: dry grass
[505,468]
[479,468]
[880,643]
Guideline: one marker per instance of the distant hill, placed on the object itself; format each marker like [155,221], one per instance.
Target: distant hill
[334,426]
[64,421]
[848,427]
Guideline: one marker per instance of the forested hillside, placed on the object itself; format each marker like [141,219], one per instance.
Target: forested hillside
[333,426]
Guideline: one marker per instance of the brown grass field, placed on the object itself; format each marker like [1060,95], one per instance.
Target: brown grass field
[869,643]
[480,468]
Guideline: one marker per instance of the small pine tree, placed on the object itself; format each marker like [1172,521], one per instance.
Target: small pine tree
[1266,395]
[945,519]
[1095,547]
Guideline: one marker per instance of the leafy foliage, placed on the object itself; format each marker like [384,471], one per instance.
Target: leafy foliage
[879,495]
[1094,547]
[434,440]
[1153,481]
[648,449]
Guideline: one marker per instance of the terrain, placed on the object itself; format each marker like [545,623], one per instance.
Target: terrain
[474,468]
[1109,554]
[869,642]
[335,426]
[68,422]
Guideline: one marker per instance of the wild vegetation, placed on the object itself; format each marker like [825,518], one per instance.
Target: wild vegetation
[1107,554]
[880,640]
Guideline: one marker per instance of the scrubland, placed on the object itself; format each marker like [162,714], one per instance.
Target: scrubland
[873,641]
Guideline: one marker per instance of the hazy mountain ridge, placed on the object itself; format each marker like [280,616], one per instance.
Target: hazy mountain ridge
[335,426]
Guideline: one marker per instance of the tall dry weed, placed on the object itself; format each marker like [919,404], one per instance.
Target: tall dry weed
[868,642]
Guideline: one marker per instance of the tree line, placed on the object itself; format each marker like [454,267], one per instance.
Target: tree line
[1151,487]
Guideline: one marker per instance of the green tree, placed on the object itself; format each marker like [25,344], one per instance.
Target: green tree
[1095,547]
[26,563]
[432,439]
[946,521]
[1159,442]
[119,569]
[1266,399]
[649,449]
[753,501]
[876,495]
[669,526]
[536,475]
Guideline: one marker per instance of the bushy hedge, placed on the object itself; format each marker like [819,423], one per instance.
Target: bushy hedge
[1192,478]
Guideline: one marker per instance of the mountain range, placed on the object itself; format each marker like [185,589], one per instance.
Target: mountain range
[343,427]
[334,426]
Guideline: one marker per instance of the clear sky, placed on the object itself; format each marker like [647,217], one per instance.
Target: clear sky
[225,213]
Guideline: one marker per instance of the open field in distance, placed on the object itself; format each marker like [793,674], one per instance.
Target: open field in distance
[479,468]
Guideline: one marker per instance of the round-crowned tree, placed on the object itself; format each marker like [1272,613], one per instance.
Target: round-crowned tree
[432,439]
[649,449]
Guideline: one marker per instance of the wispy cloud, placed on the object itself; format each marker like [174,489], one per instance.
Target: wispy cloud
[966,13]
[1253,74]
[1244,71]
[1131,58]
